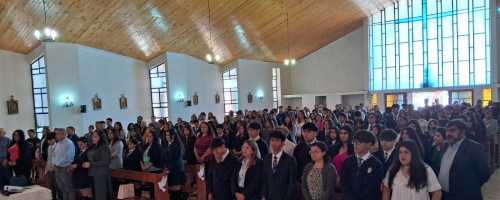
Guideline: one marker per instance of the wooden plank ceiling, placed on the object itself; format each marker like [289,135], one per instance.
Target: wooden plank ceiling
[144,29]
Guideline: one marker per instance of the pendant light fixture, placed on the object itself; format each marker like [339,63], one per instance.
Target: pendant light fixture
[289,61]
[211,57]
[49,34]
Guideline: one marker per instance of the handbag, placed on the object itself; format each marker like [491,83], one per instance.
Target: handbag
[126,191]
[18,181]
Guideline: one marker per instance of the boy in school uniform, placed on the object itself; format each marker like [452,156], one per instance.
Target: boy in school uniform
[386,154]
[49,170]
[362,172]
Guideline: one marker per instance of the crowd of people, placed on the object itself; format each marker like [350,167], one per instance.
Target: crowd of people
[344,152]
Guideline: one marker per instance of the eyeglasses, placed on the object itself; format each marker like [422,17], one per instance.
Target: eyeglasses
[315,152]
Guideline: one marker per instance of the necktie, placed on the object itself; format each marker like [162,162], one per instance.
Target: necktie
[360,161]
[386,155]
[275,163]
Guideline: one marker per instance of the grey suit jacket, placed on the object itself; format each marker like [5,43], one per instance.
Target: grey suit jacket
[329,176]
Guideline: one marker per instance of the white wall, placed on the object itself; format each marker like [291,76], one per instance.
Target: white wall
[63,81]
[255,77]
[187,75]
[109,75]
[341,66]
[79,72]
[15,79]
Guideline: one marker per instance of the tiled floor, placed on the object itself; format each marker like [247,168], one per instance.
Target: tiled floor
[491,190]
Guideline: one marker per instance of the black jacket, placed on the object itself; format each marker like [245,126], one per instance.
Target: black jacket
[253,181]
[24,162]
[281,184]
[172,157]
[263,148]
[469,171]
[361,182]
[188,143]
[219,175]
[133,161]
[302,156]
[380,155]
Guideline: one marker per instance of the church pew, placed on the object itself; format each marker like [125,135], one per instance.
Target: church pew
[193,171]
[159,180]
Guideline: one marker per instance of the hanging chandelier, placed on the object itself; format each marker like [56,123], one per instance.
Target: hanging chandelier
[211,57]
[289,61]
[48,34]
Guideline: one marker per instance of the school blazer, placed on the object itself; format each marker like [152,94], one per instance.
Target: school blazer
[281,184]
[219,176]
[133,161]
[380,155]
[469,171]
[253,180]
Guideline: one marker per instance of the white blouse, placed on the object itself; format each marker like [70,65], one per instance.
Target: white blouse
[242,173]
[401,191]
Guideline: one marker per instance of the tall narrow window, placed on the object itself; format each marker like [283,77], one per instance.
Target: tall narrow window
[40,102]
[430,44]
[276,87]
[159,91]
[230,84]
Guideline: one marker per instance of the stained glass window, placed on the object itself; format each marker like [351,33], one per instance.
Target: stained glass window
[430,43]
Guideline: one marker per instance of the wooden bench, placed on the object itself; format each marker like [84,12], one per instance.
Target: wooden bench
[160,193]
[201,182]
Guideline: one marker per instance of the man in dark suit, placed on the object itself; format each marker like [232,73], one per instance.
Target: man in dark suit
[391,118]
[279,171]
[371,121]
[324,134]
[464,166]
[220,133]
[301,152]
[386,154]
[361,174]
[254,132]
[219,174]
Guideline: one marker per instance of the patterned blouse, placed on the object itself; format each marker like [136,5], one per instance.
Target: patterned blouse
[315,183]
[202,143]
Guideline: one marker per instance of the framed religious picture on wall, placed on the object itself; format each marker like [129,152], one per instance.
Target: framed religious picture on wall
[96,102]
[12,106]
[195,98]
[123,102]
[250,97]
[217,98]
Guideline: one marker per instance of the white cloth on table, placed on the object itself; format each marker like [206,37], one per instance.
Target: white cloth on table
[30,192]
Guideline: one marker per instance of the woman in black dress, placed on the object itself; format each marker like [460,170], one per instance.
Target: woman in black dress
[188,139]
[19,155]
[81,175]
[132,161]
[173,165]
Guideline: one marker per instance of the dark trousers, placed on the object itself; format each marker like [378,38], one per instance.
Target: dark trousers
[64,180]
[51,177]
[445,195]
[5,174]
